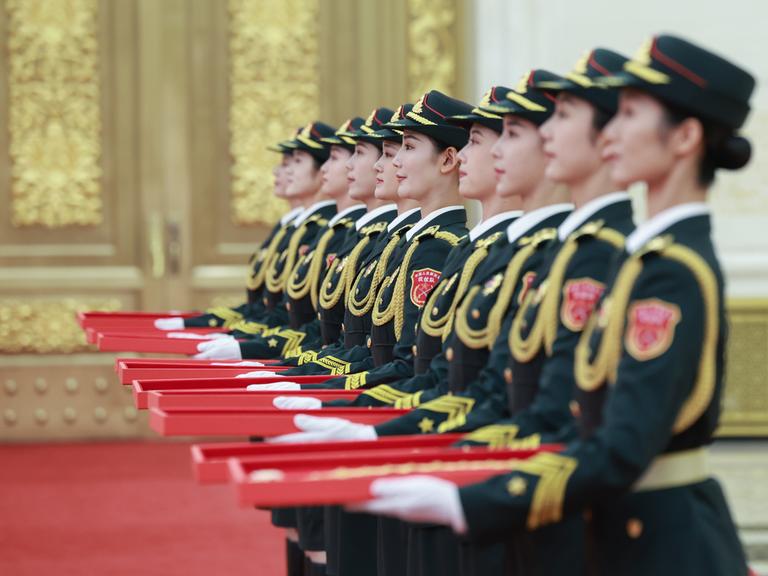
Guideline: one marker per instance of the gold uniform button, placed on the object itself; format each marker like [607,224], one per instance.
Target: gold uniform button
[212,323]
[265,301]
[414,350]
[288,306]
[342,326]
[449,354]
[435,311]
[368,342]
[508,375]
[319,316]
[575,409]
[634,528]
[475,313]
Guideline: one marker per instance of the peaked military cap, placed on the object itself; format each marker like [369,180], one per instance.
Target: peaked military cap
[285,146]
[487,119]
[310,139]
[690,77]
[376,119]
[429,116]
[341,136]
[387,133]
[584,80]
[527,101]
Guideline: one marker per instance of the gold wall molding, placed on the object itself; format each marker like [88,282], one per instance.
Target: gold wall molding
[274,88]
[46,326]
[434,47]
[745,402]
[54,113]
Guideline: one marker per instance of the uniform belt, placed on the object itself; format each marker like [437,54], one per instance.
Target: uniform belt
[673,470]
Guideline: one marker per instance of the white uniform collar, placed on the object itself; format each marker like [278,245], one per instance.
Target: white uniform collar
[421,224]
[291,215]
[519,227]
[375,213]
[340,215]
[484,225]
[581,215]
[400,217]
[663,220]
[311,210]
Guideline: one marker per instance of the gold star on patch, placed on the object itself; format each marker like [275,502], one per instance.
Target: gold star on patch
[272,343]
[517,486]
[426,425]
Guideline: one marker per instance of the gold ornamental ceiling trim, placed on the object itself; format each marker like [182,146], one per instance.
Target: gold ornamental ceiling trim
[274,82]
[54,113]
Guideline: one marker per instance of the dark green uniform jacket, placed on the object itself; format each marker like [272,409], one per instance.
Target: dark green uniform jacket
[415,268]
[649,369]
[301,294]
[357,313]
[425,366]
[494,294]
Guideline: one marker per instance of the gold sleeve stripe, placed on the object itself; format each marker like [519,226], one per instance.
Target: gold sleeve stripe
[354,381]
[410,401]
[386,394]
[336,366]
[553,471]
[248,327]
[495,436]
[307,356]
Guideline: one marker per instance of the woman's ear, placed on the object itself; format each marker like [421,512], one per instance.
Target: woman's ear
[449,160]
[687,138]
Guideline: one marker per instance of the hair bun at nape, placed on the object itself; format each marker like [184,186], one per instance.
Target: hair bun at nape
[733,152]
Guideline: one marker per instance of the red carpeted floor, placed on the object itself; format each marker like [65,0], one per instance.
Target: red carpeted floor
[124,509]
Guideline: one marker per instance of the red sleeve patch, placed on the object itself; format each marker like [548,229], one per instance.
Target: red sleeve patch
[422,282]
[579,300]
[650,328]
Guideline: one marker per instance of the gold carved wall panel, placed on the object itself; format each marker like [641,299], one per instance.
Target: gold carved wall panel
[274,88]
[54,113]
[434,45]
[46,326]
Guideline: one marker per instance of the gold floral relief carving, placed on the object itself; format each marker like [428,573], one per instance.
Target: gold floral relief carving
[54,113]
[46,326]
[274,69]
[432,49]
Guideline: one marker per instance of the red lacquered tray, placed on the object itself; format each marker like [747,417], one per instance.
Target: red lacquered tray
[130,374]
[92,333]
[347,479]
[121,363]
[210,461]
[86,319]
[256,422]
[129,343]
[142,388]
[234,399]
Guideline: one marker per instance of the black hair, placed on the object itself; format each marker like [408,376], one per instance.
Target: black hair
[601,117]
[723,148]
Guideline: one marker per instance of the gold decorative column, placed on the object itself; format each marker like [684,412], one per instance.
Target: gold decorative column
[54,114]
[274,88]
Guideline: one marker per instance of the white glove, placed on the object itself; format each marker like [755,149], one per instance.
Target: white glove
[416,499]
[224,349]
[243,363]
[257,374]
[197,336]
[273,386]
[297,403]
[318,429]
[211,344]
[169,323]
